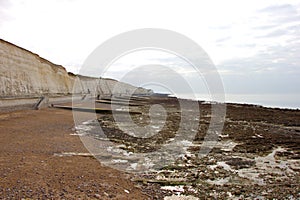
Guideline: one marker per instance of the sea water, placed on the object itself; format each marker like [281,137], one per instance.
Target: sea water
[291,101]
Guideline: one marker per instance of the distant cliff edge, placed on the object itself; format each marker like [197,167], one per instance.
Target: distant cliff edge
[24,74]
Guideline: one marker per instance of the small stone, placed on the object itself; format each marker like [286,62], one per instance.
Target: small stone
[106,194]
[126,191]
[237,192]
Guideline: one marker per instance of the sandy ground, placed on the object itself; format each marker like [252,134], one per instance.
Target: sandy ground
[30,139]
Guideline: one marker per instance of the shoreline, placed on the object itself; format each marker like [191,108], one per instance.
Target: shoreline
[13,104]
[288,101]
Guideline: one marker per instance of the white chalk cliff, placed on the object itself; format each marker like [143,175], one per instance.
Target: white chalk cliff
[25,74]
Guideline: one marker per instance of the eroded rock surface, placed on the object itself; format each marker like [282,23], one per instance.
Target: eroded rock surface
[256,155]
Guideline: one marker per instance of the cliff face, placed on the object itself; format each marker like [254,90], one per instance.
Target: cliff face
[25,74]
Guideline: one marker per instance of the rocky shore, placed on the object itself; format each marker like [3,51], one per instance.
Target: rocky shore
[256,157]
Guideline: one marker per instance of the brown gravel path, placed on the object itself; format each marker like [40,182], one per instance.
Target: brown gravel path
[28,168]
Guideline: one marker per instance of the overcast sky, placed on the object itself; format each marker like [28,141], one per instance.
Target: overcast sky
[255,45]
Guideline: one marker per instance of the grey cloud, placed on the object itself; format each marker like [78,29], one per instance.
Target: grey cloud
[287,19]
[276,21]
[279,9]
[261,75]
[275,59]
[276,33]
[203,61]
[250,45]
[279,14]
[294,29]
[164,60]
[224,39]
[265,27]
[164,76]
[5,3]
